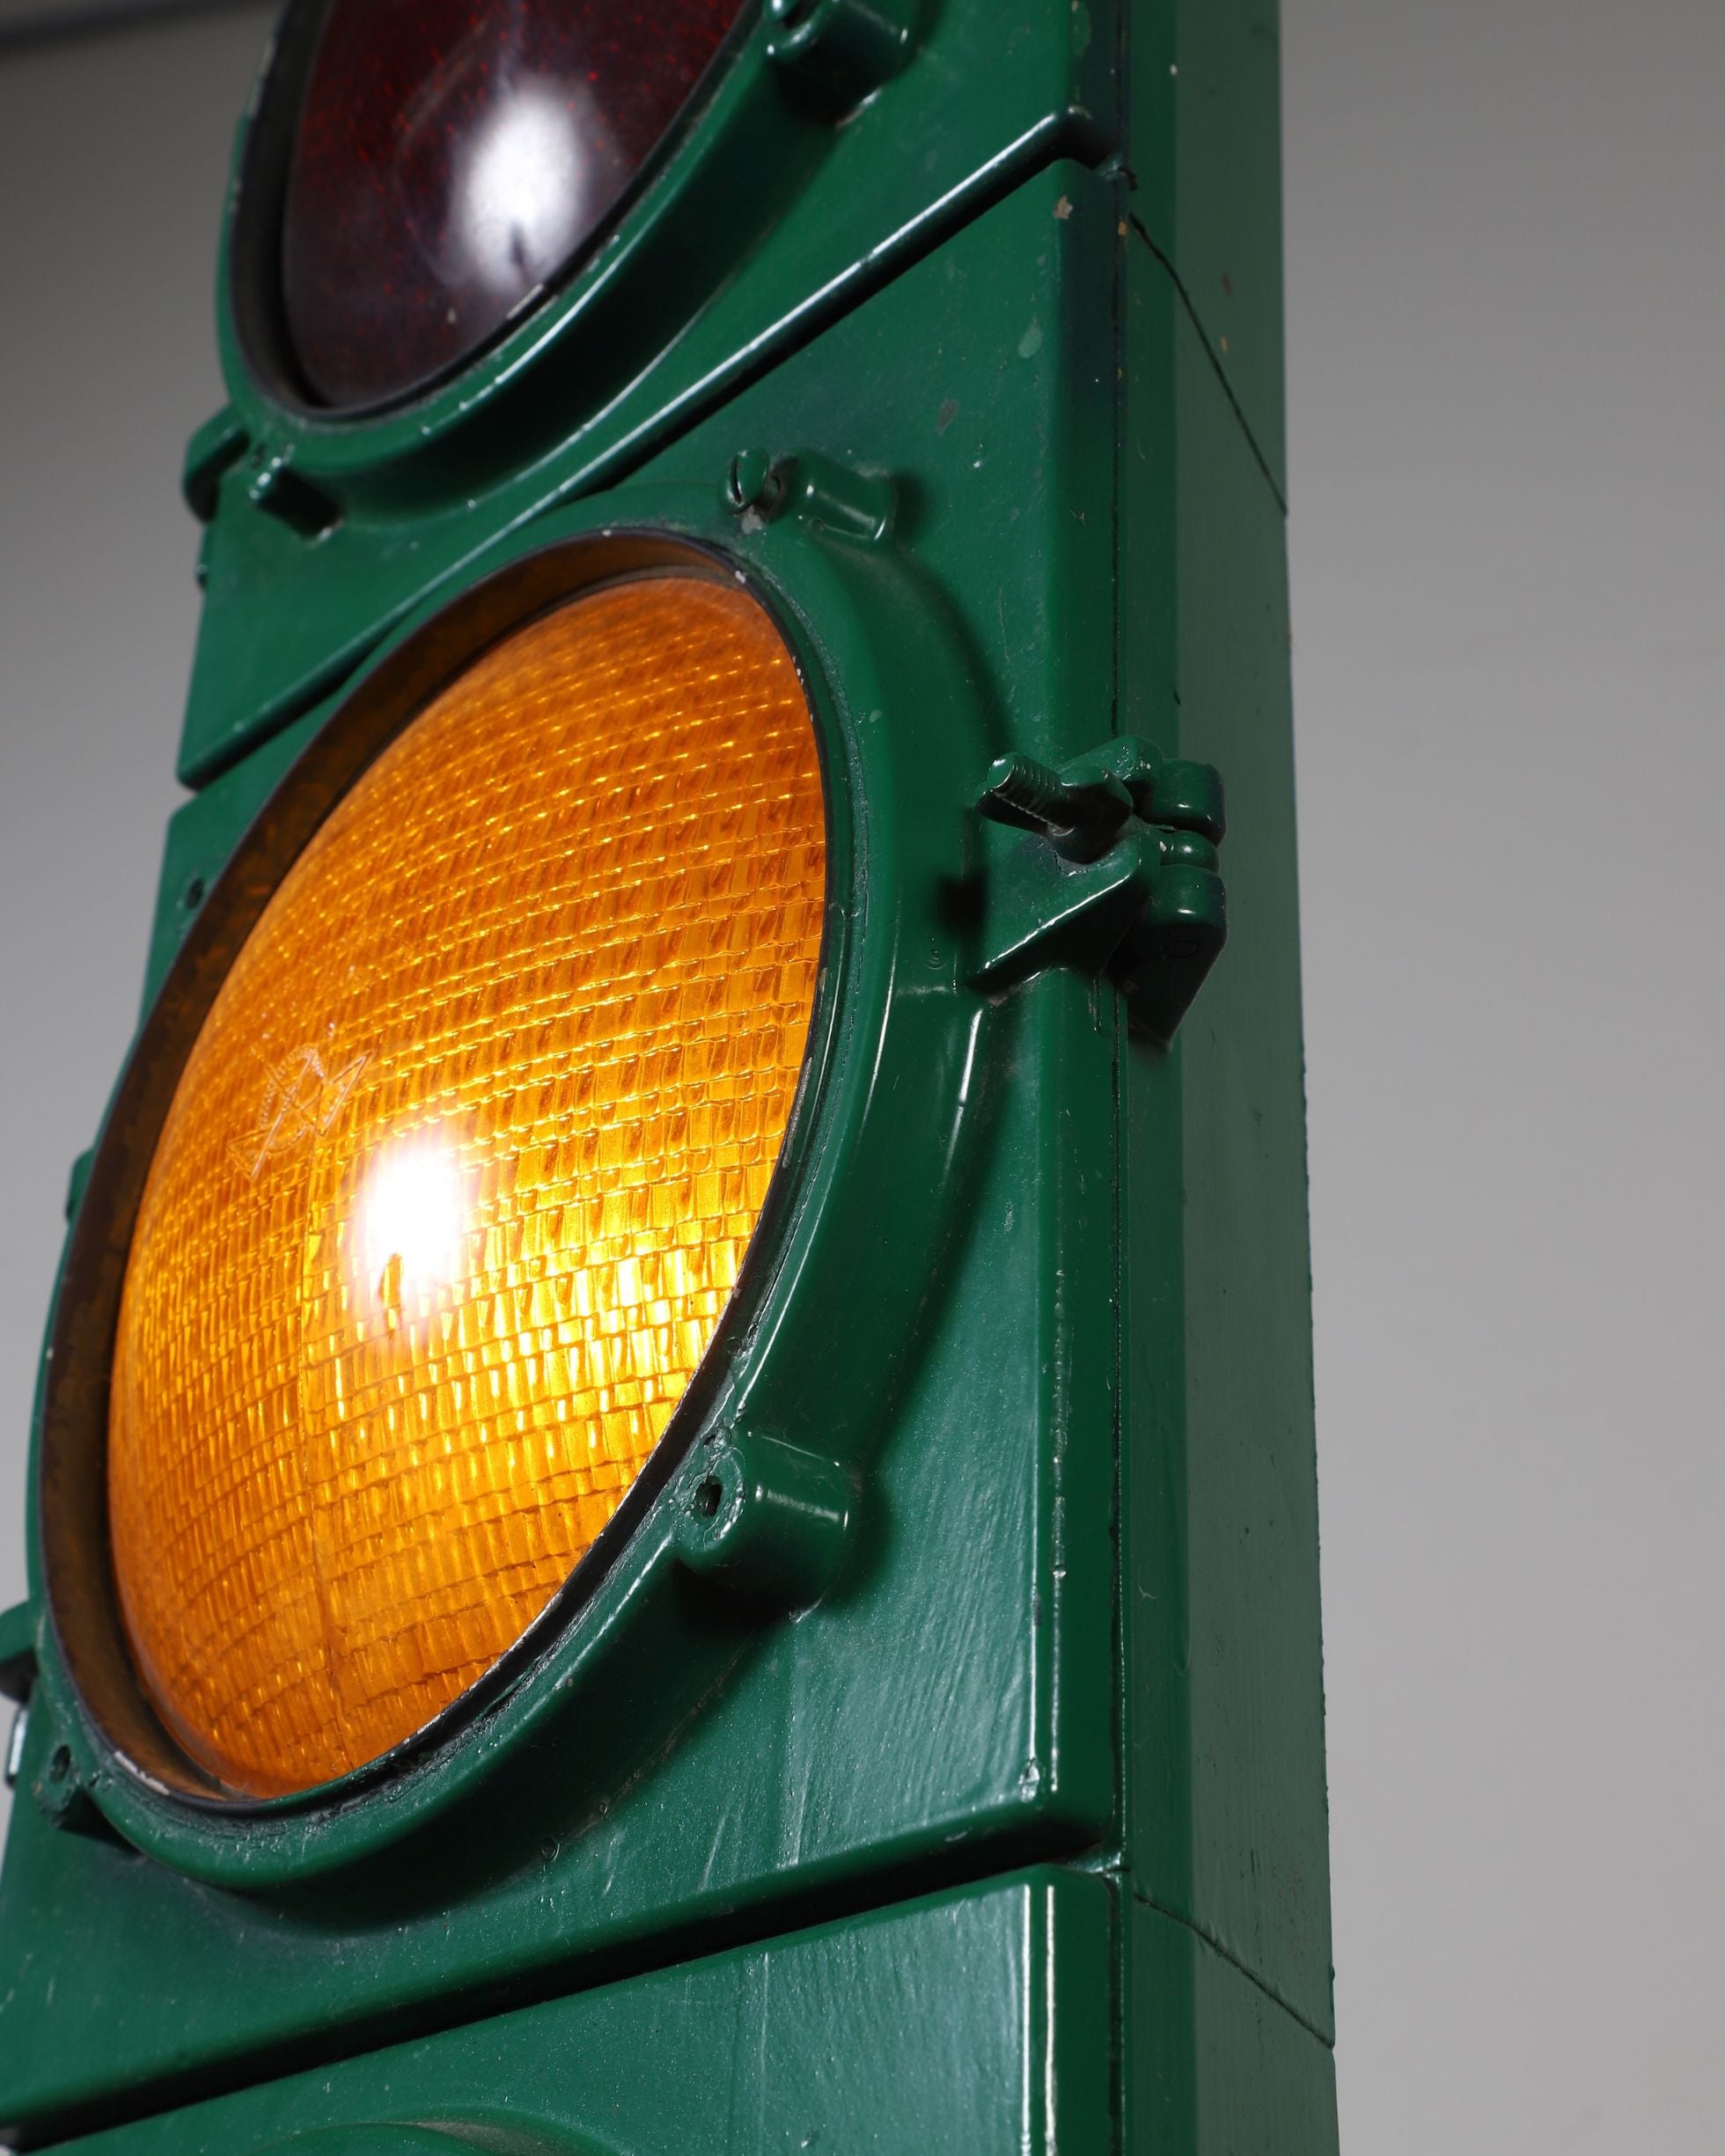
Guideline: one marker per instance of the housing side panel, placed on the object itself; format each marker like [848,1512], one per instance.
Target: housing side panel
[1205,158]
[1225,1811]
[1216,2066]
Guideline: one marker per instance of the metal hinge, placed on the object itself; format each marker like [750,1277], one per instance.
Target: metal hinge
[1119,876]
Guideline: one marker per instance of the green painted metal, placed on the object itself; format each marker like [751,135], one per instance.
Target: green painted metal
[18,1653]
[1005,1551]
[1121,878]
[1205,151]
[1225,1783]
[203,831]
[1215,2066]
[973,2022]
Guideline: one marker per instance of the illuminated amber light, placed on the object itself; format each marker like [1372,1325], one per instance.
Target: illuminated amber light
[460,1175]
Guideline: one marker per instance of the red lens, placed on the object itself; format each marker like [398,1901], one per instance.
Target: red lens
[453,157]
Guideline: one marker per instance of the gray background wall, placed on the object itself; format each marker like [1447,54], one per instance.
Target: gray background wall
[1505,230]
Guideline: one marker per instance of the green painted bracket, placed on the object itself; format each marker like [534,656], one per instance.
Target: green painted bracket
[767,1518]
[829,498]
[218,445]
[17,1653]
[843,49]
[1119,876]
[273,486]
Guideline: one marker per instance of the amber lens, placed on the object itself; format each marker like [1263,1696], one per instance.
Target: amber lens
[460,1175]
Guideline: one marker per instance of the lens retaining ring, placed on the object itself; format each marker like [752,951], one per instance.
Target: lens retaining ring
[794,1366]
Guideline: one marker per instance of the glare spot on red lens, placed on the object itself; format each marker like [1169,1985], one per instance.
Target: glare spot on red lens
[453,157]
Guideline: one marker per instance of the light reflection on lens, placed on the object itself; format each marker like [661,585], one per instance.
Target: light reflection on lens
[525,190]
[408,1231]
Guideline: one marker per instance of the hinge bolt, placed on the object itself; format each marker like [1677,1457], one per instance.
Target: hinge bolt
[1080,815]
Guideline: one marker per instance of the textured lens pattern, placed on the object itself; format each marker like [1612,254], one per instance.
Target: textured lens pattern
[460,1176]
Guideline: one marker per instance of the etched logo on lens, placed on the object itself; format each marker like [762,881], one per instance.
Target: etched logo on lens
[301,1098]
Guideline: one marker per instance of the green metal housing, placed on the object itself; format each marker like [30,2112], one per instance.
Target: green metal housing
[990,1814]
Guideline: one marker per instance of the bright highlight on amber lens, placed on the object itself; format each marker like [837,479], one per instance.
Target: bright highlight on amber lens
[460,1175]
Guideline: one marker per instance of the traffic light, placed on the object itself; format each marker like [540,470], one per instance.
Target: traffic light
[673,1502]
